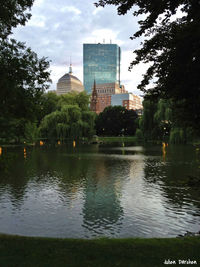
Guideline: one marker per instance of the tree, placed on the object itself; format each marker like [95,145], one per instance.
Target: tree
[48,104]
[69,122]
[171,47]
[12,13]
[24,77]
[116,120]
[74,98]
[147,124]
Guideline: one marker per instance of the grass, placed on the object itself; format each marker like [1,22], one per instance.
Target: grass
[36,251]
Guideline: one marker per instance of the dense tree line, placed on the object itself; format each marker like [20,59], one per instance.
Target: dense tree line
[159,123]
[115,121]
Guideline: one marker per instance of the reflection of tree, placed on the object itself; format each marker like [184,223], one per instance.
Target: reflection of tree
[14,175]
[172,175]
[102,208]
[41,166]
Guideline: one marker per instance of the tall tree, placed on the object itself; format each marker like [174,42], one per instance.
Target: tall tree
[24,77]
[171,46]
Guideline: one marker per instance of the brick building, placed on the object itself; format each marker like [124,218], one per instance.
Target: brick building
[111,94]
[102,94]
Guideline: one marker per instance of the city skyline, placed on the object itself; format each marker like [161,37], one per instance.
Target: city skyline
[58,31]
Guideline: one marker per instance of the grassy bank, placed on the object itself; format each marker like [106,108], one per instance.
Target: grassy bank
[32,251]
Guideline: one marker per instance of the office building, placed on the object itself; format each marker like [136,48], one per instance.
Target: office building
[102,63]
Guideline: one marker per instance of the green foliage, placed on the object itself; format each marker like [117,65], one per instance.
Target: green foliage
[116,120]
[13,13]
[48,127]
[171,48]
[48,104]
[156,120]
[88,118]
[148,125]
[159,122]
[139,134]
[177,136]
[31,132]
[181,136]
[69,121]
[24,76]
[74,98]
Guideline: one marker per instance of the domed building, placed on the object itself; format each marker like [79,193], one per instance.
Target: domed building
[68,83]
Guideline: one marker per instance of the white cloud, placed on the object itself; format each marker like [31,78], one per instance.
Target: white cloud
[70,9]
[37,21]
[38,3]
[130,79]
[97,10]
[103,35]
[59,29]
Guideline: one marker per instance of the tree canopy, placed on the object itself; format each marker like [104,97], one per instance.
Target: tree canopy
[171,47]
[68,117]
[116,121]
[12,13]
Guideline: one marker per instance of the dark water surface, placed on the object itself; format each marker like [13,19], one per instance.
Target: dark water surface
[93,191]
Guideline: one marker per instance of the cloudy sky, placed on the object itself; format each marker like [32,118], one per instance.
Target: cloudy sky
[58,29]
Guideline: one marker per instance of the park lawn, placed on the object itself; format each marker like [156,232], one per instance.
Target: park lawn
[104,252]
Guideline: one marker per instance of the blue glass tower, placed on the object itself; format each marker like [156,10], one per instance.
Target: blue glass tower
[102,63]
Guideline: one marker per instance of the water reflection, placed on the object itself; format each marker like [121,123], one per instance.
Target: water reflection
[92,190]
[102,212]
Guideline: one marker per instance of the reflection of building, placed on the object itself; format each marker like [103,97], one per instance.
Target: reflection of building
[102,63]
[102,209]
[69,83]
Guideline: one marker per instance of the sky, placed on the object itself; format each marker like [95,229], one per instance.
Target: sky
[58,29]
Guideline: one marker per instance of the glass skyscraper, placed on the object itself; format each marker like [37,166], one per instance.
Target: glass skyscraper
[102,63]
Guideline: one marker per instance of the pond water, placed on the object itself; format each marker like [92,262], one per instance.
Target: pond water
[93,191]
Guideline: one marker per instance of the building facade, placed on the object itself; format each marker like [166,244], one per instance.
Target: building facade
[68,83]
[102,63]
[110,89]
[127,100]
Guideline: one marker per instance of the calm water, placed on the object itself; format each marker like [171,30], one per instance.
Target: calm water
[94,191]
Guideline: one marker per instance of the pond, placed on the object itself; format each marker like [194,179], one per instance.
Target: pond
[94,190]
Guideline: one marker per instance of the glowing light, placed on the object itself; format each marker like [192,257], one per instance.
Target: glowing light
[0,151]
[41,143]
[164,150]
[163,145]
[59,143]
[74,143]
[24,152]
